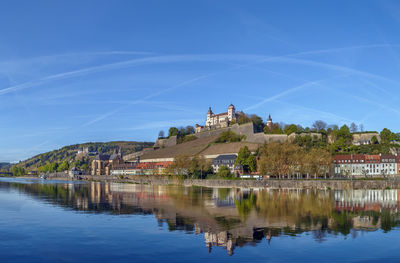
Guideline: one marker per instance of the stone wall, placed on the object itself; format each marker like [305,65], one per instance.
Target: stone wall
[273,184]
[164,143]
[248,130]
[365,137]
[293,135]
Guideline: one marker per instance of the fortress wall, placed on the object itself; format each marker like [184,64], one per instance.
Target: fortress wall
[365,136]
[164,143]
[267,138]
[293,135]
[248,130]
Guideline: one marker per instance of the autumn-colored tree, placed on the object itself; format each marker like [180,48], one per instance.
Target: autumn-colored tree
[180,166]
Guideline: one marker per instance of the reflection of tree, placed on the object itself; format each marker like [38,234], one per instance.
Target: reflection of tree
[342,222]
[223,193]
[245,205]
[387,221]
[291,206]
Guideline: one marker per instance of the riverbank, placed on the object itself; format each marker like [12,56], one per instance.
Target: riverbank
[272,183]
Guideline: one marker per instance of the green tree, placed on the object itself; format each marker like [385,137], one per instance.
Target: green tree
[172,131]
[387,136]
[246,159]
[224,172]
[18,171]
[64,166]
[229,136]
[289,129]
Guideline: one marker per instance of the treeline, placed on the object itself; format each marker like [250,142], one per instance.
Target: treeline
[287,160]
[68,154]
[64,166]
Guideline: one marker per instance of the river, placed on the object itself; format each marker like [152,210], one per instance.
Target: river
[64,221]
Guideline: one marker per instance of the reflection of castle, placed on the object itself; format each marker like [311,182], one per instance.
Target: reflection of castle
[221,239]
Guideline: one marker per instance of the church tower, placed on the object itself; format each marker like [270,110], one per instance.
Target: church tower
[269,121]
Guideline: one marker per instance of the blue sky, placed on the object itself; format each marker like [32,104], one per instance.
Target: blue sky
[79,71]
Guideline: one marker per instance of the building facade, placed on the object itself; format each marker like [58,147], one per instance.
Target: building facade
[145,168]
[367,165]
[103,163]
[227,160]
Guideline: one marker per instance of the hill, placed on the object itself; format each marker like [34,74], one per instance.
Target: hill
[69,153]
[206,146]
[4,165]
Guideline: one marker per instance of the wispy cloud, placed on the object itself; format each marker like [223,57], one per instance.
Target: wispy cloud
[251,58]
[291,90]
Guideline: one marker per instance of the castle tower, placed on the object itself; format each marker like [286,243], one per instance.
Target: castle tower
[269,121]
[231,112]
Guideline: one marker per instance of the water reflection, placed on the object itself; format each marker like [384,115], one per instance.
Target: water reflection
[230,218]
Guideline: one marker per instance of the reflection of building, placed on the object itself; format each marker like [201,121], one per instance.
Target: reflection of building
[367,200]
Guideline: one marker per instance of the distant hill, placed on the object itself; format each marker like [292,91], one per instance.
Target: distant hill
[69,153]
[4,165]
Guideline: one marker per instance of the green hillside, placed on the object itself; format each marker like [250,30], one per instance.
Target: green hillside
[68,155]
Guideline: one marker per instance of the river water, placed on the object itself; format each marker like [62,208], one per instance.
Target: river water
[60,221]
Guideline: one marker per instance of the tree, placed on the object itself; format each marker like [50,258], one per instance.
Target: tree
[387,136]
[353,127]
[161,135]
[289,129]
[224,172]
[64,166]
[246,159]
[180,166]
[18,171]
[199,166]
[361,126]
[189,130]
[229,136]
[275,129]
[319,125]
[374,140]
[173,131]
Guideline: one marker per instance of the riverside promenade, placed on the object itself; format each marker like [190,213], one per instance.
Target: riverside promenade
[324,184]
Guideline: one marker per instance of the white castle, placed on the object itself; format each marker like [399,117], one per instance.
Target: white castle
[220,120]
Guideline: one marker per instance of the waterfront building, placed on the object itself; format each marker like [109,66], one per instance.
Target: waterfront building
[145,168]
[367,165]
[74,171]
[227,160]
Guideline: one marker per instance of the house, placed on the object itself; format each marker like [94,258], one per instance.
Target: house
[227,160]
[74,171]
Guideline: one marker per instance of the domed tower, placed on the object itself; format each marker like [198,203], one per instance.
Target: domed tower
[231,112]
[209,116]
[269,121]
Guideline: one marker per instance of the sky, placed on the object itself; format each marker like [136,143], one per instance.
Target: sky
[94,71]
